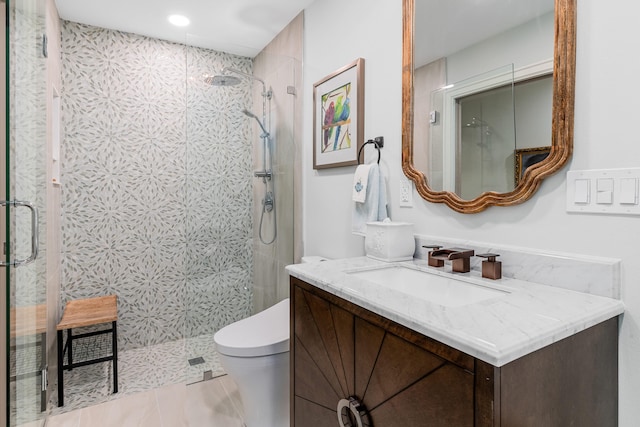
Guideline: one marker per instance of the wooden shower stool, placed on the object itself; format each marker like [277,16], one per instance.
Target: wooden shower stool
[81,313]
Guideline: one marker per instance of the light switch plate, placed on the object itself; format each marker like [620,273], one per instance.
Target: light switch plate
[604,191]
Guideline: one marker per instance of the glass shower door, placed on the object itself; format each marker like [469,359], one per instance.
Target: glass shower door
[23,208]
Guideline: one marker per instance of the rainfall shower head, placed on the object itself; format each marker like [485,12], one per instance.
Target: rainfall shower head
[222,80]
[250,114]
[227,70]
[267,94]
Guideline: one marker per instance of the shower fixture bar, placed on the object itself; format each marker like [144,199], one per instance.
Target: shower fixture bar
[269,201]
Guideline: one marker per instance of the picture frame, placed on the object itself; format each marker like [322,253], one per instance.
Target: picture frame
[526,157]
[338,117]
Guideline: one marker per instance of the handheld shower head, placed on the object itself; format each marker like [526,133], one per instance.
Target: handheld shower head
[250,114]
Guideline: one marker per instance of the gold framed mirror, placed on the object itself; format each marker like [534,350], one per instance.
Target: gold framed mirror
[560,69]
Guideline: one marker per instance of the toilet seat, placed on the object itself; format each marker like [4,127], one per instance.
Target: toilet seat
[262,334]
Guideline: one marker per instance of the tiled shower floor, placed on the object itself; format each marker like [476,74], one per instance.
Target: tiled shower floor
[139,370]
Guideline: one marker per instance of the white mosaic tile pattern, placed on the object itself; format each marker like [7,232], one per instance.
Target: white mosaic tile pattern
[139,370]
[156,173]
[219,196]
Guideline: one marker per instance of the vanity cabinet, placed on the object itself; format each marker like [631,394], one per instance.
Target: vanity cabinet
[398,377]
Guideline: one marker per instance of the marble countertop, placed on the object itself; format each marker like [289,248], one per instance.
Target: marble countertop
[527,317]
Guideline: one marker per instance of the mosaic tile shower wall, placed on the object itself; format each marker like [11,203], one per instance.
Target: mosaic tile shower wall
[156,176]
[219,195]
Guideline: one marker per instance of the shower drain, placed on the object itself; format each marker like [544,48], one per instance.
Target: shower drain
[196,361]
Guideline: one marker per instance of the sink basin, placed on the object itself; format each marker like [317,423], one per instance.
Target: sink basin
[433,288]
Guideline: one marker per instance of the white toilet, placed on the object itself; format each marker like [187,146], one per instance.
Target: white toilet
[255,353]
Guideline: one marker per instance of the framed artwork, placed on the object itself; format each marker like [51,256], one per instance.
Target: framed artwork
[338,117]
[526,157]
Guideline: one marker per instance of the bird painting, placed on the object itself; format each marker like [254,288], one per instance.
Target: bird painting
[336,108]
[328,119]
[340,115]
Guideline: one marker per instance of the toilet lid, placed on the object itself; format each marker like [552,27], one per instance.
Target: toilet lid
[262,334]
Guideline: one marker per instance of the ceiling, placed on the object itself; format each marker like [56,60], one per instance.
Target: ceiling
[242,27]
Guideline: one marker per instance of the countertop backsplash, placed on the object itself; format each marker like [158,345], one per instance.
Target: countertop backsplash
[592,275]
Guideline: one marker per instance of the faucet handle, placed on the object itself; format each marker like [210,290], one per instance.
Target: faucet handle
[490,257]
[491,269]
[432,261]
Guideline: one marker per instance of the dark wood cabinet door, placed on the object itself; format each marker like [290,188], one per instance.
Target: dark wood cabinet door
[337,354]
[402,378]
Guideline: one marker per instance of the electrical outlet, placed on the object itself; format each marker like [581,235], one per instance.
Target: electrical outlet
[406,192]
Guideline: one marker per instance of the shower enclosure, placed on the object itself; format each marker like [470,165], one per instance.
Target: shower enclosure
[157,199]
[161,205]
[24,226]
[266,173]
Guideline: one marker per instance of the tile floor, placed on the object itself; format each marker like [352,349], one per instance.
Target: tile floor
[155,382]
[209,403]
[139,370]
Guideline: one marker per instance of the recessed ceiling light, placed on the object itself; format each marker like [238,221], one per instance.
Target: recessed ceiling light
[179,20]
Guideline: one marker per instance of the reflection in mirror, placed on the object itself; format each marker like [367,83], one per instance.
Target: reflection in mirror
[480,76]
[474,129]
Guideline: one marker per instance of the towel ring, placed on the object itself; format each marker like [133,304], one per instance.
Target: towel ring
[378,142]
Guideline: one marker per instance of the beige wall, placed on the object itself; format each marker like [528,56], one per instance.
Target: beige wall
[280,66]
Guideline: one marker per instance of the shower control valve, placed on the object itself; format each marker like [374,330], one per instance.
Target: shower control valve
[268,201]
[263,174]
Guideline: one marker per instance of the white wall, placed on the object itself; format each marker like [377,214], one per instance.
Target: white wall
[527,44]
[375,35]
[605,137]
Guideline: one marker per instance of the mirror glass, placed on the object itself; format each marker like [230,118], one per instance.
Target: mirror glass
[481,96]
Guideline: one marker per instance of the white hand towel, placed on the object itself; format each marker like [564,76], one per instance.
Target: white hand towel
[375,206]
[360,181]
